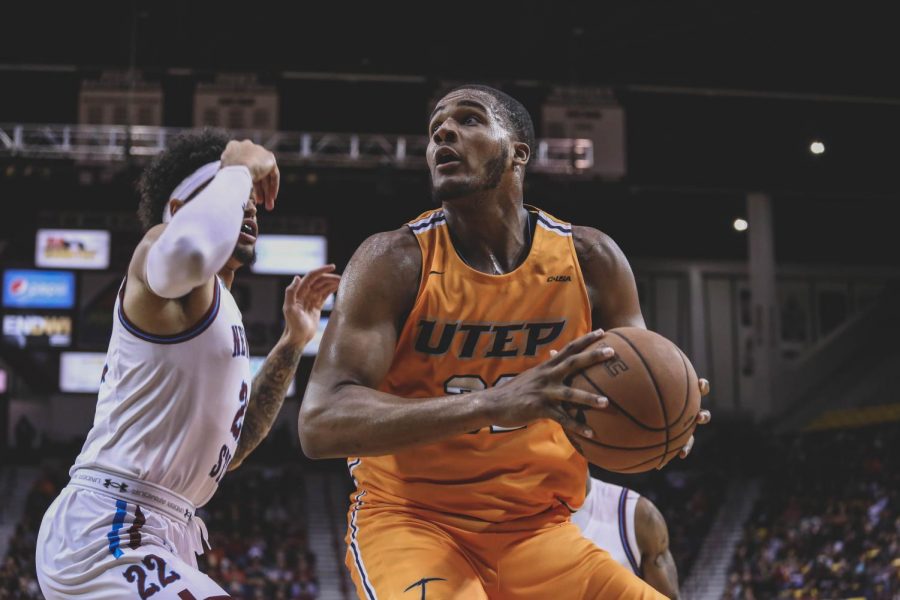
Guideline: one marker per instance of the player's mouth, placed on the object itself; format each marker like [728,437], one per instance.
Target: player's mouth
[446,159]
[249,232]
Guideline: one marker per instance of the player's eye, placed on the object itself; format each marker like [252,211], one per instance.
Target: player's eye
[471,120]
[434,126]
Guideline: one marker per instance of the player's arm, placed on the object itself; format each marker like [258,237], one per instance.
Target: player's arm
[609,280]
[302,308]
[176,259]
[652,536]
[613,292]
[343,414]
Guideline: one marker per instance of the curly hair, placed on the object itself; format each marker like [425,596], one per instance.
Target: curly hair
[511,110]
[187,153]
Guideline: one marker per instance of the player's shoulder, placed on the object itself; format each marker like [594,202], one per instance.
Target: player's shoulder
[648,515]
[396,249]
[389,262]
[394,243]
[592,245]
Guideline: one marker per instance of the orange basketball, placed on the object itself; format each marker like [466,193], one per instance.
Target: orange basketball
[654,400]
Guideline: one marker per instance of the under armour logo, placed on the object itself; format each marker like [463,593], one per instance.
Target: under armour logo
[423,582]
[109,483]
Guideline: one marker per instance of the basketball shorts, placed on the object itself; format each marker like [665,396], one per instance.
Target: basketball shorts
[100,546]
[398,553]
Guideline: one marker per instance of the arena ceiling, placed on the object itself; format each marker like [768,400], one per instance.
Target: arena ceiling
[840,48]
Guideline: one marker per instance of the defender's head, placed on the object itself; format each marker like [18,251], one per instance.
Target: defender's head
[479,139]
[170,168]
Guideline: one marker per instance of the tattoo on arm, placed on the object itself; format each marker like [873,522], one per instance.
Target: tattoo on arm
[266,397]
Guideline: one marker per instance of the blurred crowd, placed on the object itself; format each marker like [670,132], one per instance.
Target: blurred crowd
[828,521]
[686,501]
[827,524]
[17,573]
[257,531]
[687,492]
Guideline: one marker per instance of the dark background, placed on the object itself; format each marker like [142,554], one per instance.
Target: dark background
[719,100]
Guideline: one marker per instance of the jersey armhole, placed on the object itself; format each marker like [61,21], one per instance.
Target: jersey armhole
[190,333]
[626,530]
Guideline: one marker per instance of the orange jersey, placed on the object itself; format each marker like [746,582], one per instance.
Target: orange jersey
[468,331]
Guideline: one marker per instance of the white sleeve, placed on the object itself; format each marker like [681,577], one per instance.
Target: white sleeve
[201,237]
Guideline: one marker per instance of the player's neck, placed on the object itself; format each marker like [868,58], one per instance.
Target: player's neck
[492,235]
[227,276]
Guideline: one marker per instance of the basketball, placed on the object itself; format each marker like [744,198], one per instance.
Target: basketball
[654,399]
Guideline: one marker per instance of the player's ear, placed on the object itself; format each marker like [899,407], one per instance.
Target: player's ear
[521,153]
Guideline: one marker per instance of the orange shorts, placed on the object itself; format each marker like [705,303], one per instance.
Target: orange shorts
[395,553]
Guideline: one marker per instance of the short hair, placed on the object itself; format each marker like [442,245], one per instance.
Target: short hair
[511,110]
[186,153]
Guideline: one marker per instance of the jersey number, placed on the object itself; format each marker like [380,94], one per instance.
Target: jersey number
[137,574]
[463,384]
[237,424]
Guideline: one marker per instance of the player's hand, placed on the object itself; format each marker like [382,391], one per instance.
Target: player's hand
[262,166]
[303,300]
[703,417]
[539,392]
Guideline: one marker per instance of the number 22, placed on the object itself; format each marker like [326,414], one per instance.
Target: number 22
[137,574]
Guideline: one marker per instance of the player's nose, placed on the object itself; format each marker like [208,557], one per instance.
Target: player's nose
[446,132]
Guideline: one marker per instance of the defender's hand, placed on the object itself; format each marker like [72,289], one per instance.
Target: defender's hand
[303,301]
[262,166]
[538,392]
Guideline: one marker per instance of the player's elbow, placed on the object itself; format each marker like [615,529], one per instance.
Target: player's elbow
[315,446]
[309,443]
[174,270]
[310,427]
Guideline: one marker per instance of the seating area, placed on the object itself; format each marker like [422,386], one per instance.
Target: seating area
[18,580]
[257,528]
[257,532]
[689,492]
[828,522]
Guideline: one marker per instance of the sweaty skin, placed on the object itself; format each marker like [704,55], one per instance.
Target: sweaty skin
[652,535]
[342,413]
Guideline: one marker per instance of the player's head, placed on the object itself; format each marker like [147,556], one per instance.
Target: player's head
[479,139]
[181,160]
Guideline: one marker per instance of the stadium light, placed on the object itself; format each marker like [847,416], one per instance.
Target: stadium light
[817,147]
[740,225]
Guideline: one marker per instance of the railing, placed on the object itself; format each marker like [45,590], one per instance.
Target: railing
[111,143]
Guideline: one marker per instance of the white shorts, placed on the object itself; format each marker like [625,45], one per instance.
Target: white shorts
[94,545]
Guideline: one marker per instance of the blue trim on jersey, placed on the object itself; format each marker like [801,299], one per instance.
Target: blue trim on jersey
[352,464]
[552,225]
[353,546]
[113,535]
[434,220]
[177,338]
[623,533]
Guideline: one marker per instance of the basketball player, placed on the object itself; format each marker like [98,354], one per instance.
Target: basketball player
[632,530]
[435,379]
[175,409]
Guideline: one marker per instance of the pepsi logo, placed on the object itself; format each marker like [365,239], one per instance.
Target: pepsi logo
[18,286]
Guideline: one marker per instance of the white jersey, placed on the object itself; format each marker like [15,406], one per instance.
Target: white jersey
[607,519]
[171,407]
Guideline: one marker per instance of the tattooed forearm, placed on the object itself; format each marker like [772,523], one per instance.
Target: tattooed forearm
[266,397]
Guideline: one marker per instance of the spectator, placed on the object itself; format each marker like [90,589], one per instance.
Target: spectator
[828,522]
